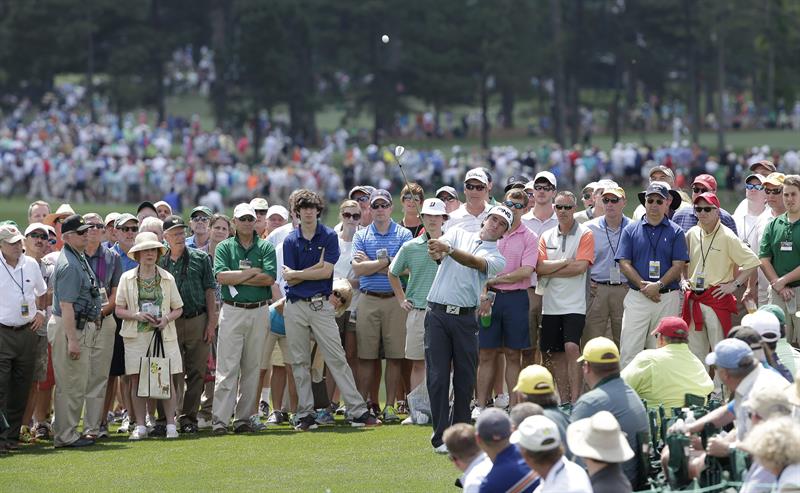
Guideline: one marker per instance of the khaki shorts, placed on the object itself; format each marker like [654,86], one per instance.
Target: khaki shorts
[415,335]
[380,319]
[40,370]
[275,347]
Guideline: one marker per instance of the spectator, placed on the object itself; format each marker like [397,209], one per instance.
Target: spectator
[789,356]
[764,404]
[467,456]
[686,218]
[449,196]
[473,212]
[199,220]
[509,470]
[599,441]
[523,410]
[411,197]
[163,210]
[261,206]
[277,216]
[775,444]
[536,384]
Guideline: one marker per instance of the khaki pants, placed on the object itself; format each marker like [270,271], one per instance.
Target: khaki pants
[702,342]
[792,322]
[604,312]
[100,349]
[239,344]
[194,353]
[301,323]
[72,377]
[640,318]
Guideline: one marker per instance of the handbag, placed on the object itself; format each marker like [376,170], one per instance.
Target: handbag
[155,375]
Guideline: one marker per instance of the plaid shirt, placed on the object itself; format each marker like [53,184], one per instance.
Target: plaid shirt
[686,218]
[193,275]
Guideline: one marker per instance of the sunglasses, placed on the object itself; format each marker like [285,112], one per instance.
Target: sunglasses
[80,233]
[607,200]
[46,238]
[587,196]
[384,205]
[699,209]
[129,229]
[479,188]
[540,188]
[355,217]
[699,190]
[247,219]
[748,186]
[446,198]
[529,194]
[409,196]
[97,226]
[564,207]
[657,201]
[201,219]
[363,198]
[339,295]
[513,205]
[773,191]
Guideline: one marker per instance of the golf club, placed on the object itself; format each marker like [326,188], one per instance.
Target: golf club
[398,151]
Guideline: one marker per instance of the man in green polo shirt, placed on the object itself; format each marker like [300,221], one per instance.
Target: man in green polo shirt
[413,256]
[780,257]
[245,266]
[195,278]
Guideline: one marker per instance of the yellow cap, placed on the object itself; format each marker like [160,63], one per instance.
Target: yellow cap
[600,350]
[535,379]
[774,179]
[617,191]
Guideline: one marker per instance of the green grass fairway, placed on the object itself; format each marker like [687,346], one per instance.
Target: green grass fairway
[335,458]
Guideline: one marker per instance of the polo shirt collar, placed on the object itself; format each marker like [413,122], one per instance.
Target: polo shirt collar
[517,231]
[713,231]
[256,239]
[572,230]
[664,221]
[472,465]
[555,470]
[317,231]
[374,230]
[20,261]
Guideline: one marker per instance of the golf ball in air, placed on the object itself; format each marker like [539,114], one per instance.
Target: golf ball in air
[385,38]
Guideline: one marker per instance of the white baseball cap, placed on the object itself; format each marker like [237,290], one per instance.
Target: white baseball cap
[546,175]
[39,226]
[433,207]
[448,190]
[279,210]
[504,212]
[765,323]
[477,174]
[537,434]
[242,210]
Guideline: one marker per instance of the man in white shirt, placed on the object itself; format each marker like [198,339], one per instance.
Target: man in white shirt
[467,456]
[472,213]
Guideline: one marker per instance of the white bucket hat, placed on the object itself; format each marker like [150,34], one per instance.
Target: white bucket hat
[600,438]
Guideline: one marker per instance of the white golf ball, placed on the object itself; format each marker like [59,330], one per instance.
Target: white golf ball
[385,38]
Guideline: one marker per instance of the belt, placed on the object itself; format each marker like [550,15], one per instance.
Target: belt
[660,291]
[503,291]
[194,314]
[451,309]
[607,283]
[15,328]
[246,306]
[379,294]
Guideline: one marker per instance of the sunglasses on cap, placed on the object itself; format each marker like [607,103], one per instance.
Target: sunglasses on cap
[355,217]
[545,188]
[773,191]
[409,196]
[564,207]
[699,190]
[382,205]
[479,188]
[748,186]
[612,200]
[513,205]
[698,209]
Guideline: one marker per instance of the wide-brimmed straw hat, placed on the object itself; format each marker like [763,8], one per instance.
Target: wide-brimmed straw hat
[146,241]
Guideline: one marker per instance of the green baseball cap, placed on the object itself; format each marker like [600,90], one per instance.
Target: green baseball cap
[201,208]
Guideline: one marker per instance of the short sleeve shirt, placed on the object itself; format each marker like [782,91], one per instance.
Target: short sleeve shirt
[538,227]
[781,244]
[606,246]
[716,254]
[642,243]
[520,249]
[565,295]
[300,253]
[107,266]
[369,240]
[22,284]
[461,218]
[413,256]
[260,254]
[194,275]
[72,283]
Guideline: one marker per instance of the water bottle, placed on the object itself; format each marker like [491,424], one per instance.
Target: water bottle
[486,320]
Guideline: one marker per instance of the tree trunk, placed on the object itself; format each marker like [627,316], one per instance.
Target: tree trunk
[220,16]
[559,84]
[90,63]
[721,82]
[301,99]
[484,112]
[691,71]
[158,65]
[507,104]
[614,110]
[770,58]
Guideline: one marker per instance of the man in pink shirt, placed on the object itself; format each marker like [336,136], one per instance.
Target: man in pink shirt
[508,330]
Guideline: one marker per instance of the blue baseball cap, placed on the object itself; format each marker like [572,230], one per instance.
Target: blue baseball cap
[729,353]
[664,190]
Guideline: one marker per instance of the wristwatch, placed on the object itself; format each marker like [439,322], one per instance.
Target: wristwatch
[450,249]
[660,284]
[737,283]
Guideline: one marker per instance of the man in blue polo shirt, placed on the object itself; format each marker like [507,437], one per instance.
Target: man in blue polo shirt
[652,253]
[380,316]
[309,254]
[509,470]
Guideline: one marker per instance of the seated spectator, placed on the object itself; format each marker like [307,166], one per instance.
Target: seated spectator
[599,441]
[524,410]
[536,385]
[467,456]
[540,445]
[768,327]
[509,470]
[775,444]
[665,375]
[789,355]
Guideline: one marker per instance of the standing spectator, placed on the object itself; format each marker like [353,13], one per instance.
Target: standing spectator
[245,267]
[715,254]
[163,210]
[467,456]
[21,316]
[565,254]
[261,206]
[541,448]
[686,217]
[651,255]
[601,370]
[37,211]
[449,196]
[380,317]
[761,167]
[588,199]
[411,196]
[508,330]
[599,441]
[149,284]
[509,471]
[196,326]
[199,220]
[749,226]
[474,211]
[467,260]
[773,189]
[780,257]
[71,330]
[361,194]
[606,289]
[310,252]
[277,216]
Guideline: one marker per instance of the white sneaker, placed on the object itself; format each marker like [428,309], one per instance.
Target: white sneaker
[150,422]
[138,433]
[408,421]
[125,427]
[477,412]
[441,449]
[172,431]
[203,424]
[501,401]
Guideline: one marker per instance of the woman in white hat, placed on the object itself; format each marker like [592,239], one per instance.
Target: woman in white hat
[148,300]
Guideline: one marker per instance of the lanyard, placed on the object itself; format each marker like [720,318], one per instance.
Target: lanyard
[21,283]
[654,246]
[87,269]
[704,256]
[619,238]
[747,234]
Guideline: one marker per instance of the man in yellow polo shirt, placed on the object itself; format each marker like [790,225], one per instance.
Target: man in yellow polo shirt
[715,252]
[665,375]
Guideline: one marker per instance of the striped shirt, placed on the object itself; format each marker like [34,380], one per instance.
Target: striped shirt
[413,256]
[369,240]
[107,266]
[520,248]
